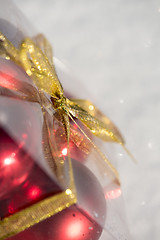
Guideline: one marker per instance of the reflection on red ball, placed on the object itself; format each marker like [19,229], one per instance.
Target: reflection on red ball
[74,224]
[15,163]
[34,192]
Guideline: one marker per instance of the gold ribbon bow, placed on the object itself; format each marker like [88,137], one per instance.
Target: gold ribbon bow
[35,57]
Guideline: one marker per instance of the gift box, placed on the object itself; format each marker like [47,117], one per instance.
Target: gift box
[55,182]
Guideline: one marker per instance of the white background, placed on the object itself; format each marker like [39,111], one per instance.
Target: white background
[114,49]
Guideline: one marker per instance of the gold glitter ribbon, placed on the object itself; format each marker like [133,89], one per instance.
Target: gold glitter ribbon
[35,58]
[36,213]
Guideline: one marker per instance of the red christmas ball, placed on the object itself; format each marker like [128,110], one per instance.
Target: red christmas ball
[83,221]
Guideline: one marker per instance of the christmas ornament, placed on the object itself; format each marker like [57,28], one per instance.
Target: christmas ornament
[73,222]
[41,70]
[50,195]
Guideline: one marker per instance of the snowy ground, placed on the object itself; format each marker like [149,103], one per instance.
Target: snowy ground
[114,49]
